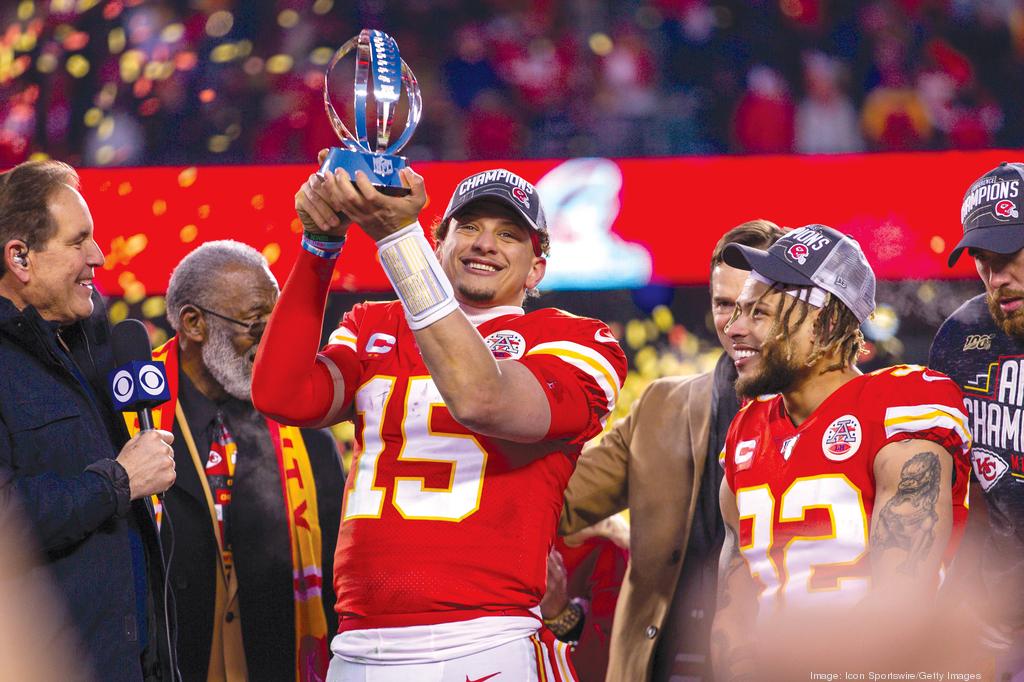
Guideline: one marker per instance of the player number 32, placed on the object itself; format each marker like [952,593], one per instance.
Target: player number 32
[410,495]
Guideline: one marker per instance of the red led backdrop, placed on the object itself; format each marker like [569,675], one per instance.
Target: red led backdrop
[903,208]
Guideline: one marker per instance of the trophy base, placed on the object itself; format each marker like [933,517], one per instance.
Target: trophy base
[382,169]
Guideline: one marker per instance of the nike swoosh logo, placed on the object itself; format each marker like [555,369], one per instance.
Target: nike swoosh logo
[481,679]
[604,337]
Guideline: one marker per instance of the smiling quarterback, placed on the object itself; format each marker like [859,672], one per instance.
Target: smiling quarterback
[469,415]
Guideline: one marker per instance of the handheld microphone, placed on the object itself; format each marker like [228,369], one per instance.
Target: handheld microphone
[139,383]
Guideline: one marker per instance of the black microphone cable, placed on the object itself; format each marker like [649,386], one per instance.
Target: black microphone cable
[169,602]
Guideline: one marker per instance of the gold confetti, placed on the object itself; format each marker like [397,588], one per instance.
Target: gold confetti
[257,202]
[218,143]
[187,177]
[124,189]
[321,55]
[296,225]
[26,9]
[188,234]
[159,207]
[600,44]
[105,155]
[122,251]
[204,211]
[116,40]
[134,292]
[279,63]
[77,65]
[662,317]
[938,244]
[106,128]
[117,312]
[125,278]
[288,18]
[39,156]
[272,252]
[219,24]
[93,117]
[323,6]
[46,63]
[154,306]
[172,33]
[224,52]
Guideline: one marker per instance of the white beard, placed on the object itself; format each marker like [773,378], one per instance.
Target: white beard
[231,370]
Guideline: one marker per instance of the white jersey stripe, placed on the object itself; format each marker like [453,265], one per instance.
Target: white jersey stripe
[342,336]
[589,361]
[923,417]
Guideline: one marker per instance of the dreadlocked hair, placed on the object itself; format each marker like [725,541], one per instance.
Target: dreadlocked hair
[836,331]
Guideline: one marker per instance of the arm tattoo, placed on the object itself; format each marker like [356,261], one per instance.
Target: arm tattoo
[730,562]
[909,518]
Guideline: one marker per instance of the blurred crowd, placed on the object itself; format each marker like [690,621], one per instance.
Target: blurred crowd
[123,82]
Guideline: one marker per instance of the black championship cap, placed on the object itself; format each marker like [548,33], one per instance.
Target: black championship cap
[813,256]
[506,187]
[993,212]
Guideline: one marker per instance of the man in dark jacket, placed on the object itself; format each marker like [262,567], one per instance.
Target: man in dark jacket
[66,463]
[256,503]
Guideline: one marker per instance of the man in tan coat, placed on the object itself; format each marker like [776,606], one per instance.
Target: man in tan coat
[655,461]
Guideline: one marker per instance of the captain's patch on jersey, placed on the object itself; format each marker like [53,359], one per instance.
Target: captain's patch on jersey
[506,345]
[988,467]
[744,454]
[842,438]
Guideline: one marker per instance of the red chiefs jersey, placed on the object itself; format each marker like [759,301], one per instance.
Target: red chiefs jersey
[806,494]
[442,524]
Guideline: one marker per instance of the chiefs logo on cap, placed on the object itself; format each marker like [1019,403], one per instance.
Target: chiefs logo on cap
[520,194]
[1006,209]
[798,252]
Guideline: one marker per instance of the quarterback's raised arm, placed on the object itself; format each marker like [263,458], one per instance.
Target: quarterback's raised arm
[291,382]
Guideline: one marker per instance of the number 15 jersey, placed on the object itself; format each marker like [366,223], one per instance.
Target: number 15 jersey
[441,524]
[806,494]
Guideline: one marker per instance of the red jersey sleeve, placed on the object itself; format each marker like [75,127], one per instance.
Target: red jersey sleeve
[341,357]
[581,367]
[926,405]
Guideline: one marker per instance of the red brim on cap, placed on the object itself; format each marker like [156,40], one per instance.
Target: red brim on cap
[997,239]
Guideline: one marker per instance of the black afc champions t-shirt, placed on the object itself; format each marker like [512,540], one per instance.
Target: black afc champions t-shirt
[988,365]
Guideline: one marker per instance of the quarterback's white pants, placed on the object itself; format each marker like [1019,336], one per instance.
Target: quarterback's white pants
[529,659]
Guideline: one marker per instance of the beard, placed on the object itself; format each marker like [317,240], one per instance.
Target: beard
[777,373]
[231,370]
[472,295]
[1011,323]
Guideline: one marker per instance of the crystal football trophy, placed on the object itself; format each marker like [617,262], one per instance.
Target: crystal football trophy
[378,65]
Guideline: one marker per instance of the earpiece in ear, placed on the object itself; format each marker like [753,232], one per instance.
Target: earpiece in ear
[21,259]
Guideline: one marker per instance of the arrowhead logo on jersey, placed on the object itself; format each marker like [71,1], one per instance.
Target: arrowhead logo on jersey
[744,454]
[988,467]
[842,438]
[1006,209]
[506,345]
[604,336]
[798,252]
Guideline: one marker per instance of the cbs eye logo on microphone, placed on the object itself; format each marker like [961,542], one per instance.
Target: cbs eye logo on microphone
[139,384]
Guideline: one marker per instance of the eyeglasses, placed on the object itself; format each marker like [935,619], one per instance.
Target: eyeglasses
[253,329]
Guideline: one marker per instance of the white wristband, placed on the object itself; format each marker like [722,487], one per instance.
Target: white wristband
[416,276]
